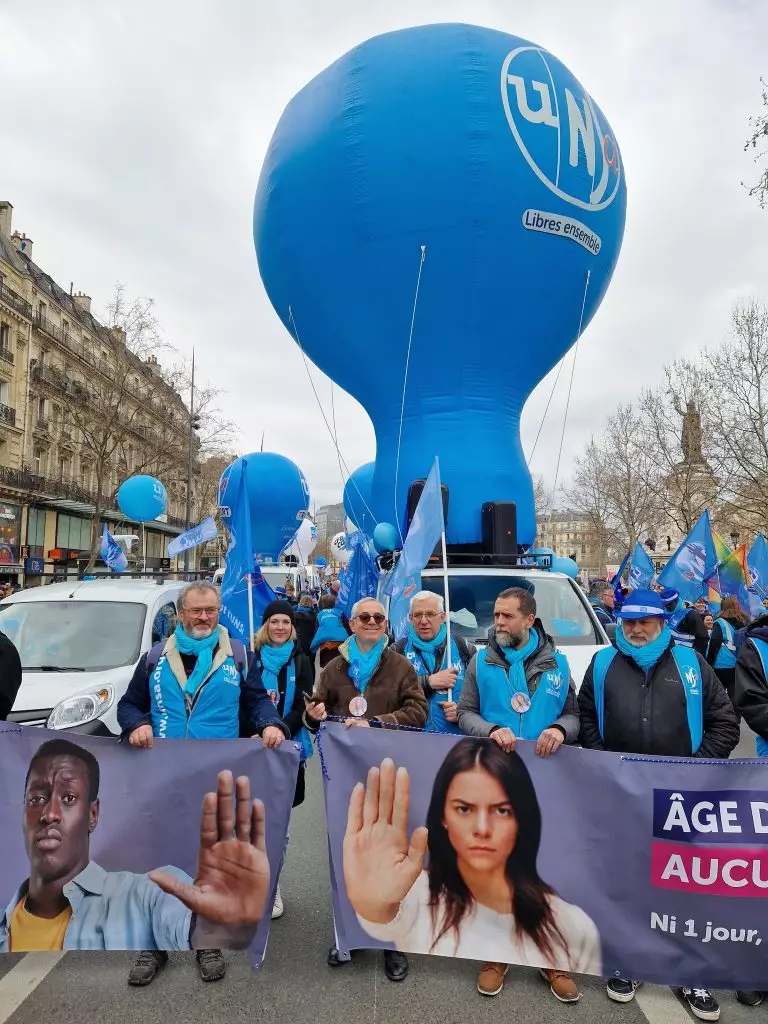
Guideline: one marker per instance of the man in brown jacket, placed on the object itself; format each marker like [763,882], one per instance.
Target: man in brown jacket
[368,685]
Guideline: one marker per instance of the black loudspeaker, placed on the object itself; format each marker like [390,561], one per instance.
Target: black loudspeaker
[414,493]
[499,523]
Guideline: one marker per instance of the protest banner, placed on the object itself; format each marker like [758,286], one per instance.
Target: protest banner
[107,846]
[597,863]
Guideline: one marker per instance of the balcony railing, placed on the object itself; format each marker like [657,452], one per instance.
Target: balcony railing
[7,416]
[41,424]
[15,301]
[37,486]
[108,370]
[6,354]
[52,377]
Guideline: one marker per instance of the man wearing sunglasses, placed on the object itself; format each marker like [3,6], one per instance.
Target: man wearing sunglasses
[368,684]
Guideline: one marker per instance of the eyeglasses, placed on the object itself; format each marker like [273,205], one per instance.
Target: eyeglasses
[366,617]
[425,615]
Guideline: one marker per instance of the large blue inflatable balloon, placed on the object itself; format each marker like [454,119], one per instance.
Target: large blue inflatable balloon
[448,198]
[358,498]
[277,494]
[142,498]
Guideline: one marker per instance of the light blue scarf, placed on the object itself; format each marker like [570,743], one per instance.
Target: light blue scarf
[516,658]
[200,649]
[273,660]
[427,648]
[363,664]
[644,657]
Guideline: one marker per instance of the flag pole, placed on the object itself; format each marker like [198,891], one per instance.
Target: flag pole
[446,595]
[250,612]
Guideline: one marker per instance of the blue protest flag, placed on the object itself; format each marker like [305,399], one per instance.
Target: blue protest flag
[693,563]
[192,538]
[237,613]
[642,569]
[111,553]
[618,595]
[360,578]
[757,563]
[424,534]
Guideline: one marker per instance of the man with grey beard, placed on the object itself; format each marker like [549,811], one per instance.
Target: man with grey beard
[520,687]
[652,696]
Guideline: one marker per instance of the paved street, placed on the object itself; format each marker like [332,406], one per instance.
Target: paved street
[296,987]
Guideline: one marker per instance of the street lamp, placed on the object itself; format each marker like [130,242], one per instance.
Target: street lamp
[194,426]
[734,538]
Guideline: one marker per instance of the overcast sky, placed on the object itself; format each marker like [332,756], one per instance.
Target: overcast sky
[132,134]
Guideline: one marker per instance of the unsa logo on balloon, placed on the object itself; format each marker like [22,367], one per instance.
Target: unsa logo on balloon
[540,108]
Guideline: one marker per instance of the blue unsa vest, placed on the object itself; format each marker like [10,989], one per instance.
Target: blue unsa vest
[212,712]
[690,676]
[436,720]
[496,690]
[762,652]
[726,656]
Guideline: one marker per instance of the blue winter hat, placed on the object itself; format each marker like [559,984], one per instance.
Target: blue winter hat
[642,604]
[669,595]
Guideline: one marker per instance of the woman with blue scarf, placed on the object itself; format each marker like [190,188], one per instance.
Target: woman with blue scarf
[286,674]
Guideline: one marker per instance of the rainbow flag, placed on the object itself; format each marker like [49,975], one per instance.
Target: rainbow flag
[722,549]
[732,578]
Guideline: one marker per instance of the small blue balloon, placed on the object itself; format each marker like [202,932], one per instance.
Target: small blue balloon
[386,538]
[566,566]
[277,494]
[321,560]
[142,498]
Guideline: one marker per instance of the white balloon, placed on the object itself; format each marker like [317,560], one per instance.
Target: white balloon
[339,549]
[303,544]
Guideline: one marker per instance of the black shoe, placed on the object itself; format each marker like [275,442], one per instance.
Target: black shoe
[211,964]
[335,959]
[750,998]
[702,1003]
[148,963]
[621,990]
[395,965]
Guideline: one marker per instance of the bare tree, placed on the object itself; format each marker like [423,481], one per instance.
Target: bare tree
[737,374]
[677,446]
[128,416]
[615,483]
[588,494]
[758,143]
[542,498]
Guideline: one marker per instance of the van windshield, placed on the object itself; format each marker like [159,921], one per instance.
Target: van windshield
[558,605]
[74,636]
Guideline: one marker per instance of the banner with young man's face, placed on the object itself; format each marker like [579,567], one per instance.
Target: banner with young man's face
[586,861]
[106,846]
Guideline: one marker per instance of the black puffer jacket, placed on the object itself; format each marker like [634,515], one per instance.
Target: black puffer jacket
[750,693]
[646,714]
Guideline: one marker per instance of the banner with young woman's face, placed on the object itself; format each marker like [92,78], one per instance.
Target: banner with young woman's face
[586,861]
[106,846]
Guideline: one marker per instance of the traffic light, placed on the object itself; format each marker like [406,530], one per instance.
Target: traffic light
[195,422]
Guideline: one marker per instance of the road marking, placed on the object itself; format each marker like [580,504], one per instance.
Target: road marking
[22,980]
[659,1006]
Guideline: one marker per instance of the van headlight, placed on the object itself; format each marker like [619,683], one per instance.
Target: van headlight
[82,708]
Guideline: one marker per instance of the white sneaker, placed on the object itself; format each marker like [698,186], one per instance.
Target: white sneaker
[277,908]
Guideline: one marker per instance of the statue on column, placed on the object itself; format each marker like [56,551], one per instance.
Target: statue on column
[691,439]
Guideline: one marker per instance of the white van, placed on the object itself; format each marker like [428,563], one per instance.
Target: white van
[79,644]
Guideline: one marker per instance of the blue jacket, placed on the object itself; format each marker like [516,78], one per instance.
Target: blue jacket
[256,710]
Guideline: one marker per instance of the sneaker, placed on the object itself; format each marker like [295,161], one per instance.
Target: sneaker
[211,964]
[621,990]
[148,963]
[562,985]
[277,907]
[490,980]
[702,1003]
[750,998]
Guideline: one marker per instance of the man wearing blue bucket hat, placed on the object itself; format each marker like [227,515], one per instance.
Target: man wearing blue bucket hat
[630,702]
